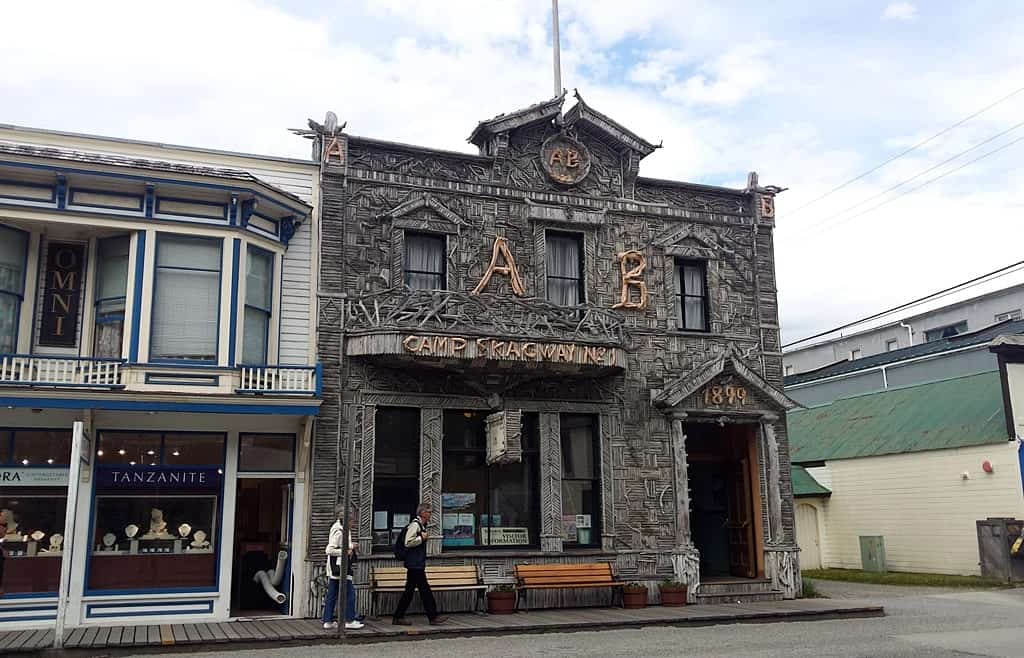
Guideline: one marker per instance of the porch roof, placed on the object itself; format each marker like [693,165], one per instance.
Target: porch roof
[805,485]
[954,413]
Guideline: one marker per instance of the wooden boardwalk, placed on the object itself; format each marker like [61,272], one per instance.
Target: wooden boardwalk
[253,633]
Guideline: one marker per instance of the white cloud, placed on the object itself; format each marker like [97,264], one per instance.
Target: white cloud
[903,11]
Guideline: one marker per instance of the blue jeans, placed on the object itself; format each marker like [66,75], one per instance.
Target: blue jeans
[331,601]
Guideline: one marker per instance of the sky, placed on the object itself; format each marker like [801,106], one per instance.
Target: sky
[808,94]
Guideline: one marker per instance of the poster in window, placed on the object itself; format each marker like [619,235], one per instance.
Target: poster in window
[569,526]
[380,520]
[457,530]
[401,520]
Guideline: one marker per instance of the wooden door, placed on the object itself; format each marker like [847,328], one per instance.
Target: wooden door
[742,562]
[807,536]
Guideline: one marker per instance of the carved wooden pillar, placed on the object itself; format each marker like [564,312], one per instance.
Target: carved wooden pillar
[681,484]
[773,472]
[611,426]
[551,531]
[363,480]
[431,458]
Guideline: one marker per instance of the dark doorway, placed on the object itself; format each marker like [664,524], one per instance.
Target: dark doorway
[722,467]
[262,528]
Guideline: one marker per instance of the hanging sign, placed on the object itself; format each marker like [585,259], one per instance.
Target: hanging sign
[564,159]
[34,477]
[504,437]
[62,291]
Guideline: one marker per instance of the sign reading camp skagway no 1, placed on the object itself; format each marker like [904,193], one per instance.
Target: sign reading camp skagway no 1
[458,347]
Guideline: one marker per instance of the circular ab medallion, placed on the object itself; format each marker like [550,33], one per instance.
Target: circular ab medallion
[564,159]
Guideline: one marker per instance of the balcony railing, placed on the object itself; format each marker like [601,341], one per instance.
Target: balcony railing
[295,380]
[27,370]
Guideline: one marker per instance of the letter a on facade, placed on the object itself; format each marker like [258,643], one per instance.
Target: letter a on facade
[509,269]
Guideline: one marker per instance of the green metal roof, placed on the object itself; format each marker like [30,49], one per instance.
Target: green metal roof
[965,411]
[804,484]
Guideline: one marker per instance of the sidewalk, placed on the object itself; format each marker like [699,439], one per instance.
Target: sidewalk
[256,633]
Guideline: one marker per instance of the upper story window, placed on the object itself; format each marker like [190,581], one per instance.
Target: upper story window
[692,295]
[424,261]
[1009,315]
[186,298]
[111,291]
[947,331]
[259,291]
[564,268]
[13,254]
[892,345]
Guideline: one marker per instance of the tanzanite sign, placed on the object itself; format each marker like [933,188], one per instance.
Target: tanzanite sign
[149,477]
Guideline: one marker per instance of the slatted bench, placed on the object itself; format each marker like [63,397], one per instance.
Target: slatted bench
[565,576]
[464,578]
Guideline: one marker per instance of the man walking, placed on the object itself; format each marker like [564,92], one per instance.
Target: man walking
[415,544]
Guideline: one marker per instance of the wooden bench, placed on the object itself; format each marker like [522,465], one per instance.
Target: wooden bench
[464,578]
[565,576]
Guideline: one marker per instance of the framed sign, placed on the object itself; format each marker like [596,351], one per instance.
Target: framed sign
[62,294]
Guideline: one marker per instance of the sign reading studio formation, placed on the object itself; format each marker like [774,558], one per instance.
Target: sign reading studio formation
[62,294]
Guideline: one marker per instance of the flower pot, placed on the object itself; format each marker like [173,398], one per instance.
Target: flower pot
[501,603]
[634,598]
[673,597]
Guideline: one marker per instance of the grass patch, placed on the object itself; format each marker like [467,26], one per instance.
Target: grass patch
[902,578]
[810,591]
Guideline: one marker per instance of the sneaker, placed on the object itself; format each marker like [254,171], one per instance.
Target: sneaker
[399,621]
[353,625]
[437,621]
[328,625]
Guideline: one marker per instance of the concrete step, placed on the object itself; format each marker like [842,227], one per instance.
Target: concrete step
[746,597]
[739,590]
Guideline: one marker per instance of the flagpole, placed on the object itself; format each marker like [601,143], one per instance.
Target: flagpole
[557,48]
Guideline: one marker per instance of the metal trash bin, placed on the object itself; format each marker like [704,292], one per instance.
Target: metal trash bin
[995,538]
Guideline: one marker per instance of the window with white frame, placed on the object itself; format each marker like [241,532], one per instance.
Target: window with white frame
[854,355]
[259,291]
[1009,315]
[947,331]
[13,254]
[892,345]
[789,370]
[111,292]
[186,298]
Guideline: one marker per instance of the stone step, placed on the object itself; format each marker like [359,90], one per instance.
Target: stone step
[737,586]
[746,597]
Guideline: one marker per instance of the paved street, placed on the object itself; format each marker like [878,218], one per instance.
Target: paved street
[920,622]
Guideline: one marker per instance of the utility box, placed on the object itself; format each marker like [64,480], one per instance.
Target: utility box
[872,554]
[995,538]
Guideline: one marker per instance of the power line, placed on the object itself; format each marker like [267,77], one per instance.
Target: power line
[916,188]
[905,152]
[1002,271]
[916,176]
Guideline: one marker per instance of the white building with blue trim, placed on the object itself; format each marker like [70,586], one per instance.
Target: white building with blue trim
[165,297]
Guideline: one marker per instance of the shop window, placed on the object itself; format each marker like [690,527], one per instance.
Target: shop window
[259,291]
[33,501]
[396,473]
[488,506]
[581,485]
[564,268]
[266,452]
[41,448]
[186,298]
[156,522]
[424,261]
[111,287]
[691,295]
[13,255]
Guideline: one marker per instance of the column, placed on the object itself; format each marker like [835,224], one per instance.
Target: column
[772,474]
[431,459]
[681,484]
[362,479]
[551,531]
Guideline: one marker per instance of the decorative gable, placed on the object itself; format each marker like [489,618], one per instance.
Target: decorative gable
[424,212]
[724,384]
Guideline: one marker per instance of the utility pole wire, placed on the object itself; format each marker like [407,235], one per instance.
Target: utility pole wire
[909,150]
[913,189]
[964,284]
[914,177]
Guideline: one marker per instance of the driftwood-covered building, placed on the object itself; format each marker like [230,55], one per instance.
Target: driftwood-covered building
[571,362]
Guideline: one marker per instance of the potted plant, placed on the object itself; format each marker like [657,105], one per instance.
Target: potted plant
[673,592]
[501,600]
[634,595]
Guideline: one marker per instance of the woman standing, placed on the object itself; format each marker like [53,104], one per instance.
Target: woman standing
[340,539]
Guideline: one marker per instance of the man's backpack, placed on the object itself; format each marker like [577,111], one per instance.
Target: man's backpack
[400,549]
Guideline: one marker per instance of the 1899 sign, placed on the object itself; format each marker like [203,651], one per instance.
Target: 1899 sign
[725,395]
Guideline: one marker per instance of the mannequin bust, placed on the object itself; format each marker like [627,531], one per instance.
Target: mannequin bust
[37,535]
[184,530]
[108,541]
[131,530]
[157,526]
[55,543]
[199,540]
[10,521]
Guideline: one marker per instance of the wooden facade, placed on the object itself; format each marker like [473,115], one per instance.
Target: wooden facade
[490,341]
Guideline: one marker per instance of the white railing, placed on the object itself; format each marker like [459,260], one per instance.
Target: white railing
[280,379]
[25,370]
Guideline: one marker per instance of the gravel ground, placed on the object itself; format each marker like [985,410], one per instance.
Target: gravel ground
[919,622]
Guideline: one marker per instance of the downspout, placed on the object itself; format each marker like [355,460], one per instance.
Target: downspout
[910,332]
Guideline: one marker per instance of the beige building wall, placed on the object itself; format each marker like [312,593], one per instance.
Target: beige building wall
[1015,380]
[920,503]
